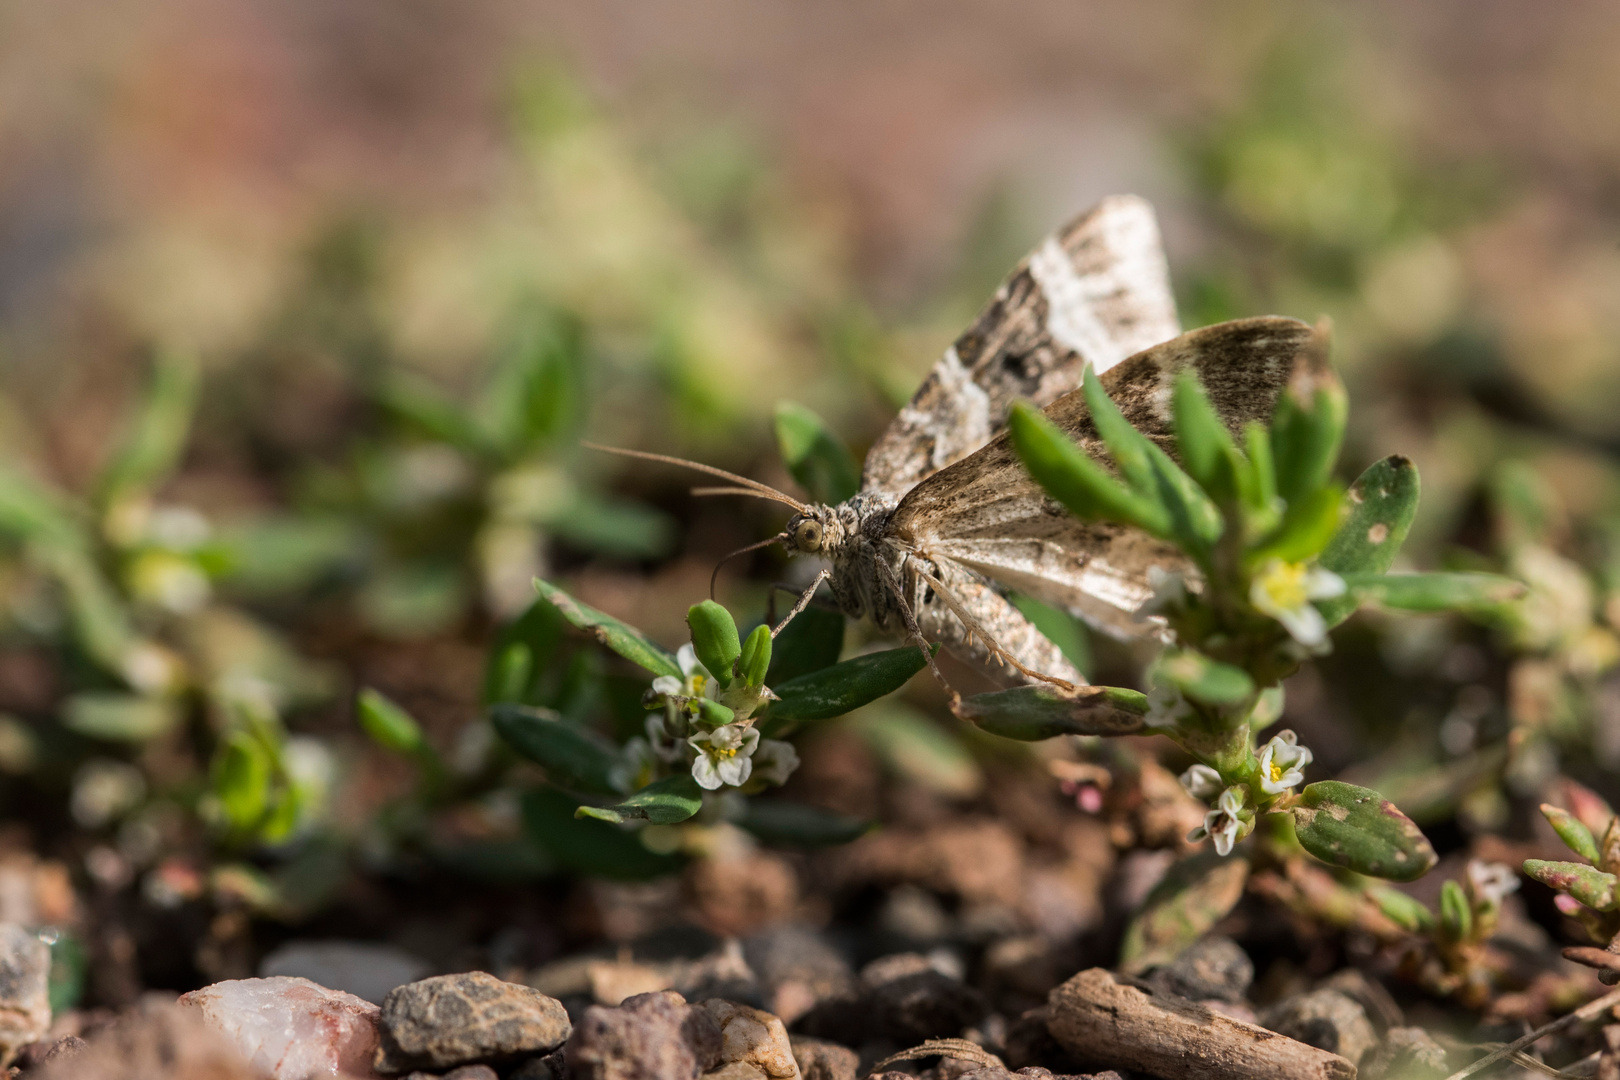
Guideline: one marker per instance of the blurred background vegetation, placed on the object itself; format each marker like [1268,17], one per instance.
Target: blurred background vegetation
[305,307]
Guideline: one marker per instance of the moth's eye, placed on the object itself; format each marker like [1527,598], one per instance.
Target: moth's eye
[808,536]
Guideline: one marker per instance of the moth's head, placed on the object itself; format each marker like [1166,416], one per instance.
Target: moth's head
[815,530]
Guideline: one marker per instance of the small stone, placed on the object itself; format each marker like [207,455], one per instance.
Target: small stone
[291,1028]
[753,1036]
[63,1048]
[1382,1009]
[649,1036]
[465,1019]
[798,968]
[361,968]
[1409,1053]
[740,893]
[466,1072]
[924,1005]
[25,1006]
[1326,1019]
[1214,968]
[736,1070]
[822,1060]
[550,1067]
[158,1042]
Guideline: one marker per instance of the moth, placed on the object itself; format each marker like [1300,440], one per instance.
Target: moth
[947,522]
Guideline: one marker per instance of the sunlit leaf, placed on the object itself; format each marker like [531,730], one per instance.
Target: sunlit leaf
[623,639]
[846,686]
[1437,592]
[1356,828]
[664,802]
[571,757]
[1036,712]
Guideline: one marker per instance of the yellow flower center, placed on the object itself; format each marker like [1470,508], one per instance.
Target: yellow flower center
[726,753]
[1276,771]
[1284,585]
[697,682]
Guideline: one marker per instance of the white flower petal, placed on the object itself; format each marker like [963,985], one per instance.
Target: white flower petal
[735,771]
[704,772]
[668,685]
[1323,584]
[1304,624]
[1202,782]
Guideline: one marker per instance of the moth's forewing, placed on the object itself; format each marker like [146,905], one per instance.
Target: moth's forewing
[1098,291]
[986,513]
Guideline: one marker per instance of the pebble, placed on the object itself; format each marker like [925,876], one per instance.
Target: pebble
[1326,1019]
[1214,968]
[361,968]
[1409,1053]
[819,1059]
[465,1019]
[466,1072]
[736,1070]
[797,969]
[158,1042]
[754,1037]
[649,1035]
[924,1005]
[291,1028]
[25,1007]
[550,1067]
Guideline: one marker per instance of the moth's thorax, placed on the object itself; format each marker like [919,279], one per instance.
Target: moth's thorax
[839,531]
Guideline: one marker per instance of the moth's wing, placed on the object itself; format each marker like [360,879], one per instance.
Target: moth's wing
[1096,292]
[987,513]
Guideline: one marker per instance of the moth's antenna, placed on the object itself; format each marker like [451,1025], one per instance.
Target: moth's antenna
[764,491]
[737,491]
[778,538]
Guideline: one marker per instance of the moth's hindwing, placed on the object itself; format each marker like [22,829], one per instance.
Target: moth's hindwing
[1096,292]
[987,514]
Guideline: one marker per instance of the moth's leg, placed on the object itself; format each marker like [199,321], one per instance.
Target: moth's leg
[914,631]
[804,601]
[981,625]
[788,587]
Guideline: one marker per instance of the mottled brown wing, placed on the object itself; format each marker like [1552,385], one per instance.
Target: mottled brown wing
[1096,292]
[986,513]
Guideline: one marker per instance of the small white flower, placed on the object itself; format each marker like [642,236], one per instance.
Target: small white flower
[1282,763]
[775,761]
[637,767]
[724,756]
[1284,590]
[699,683]
[1491,881]
[667,686]
[1166,706]
[1202,782]
[1222,824]
[666,742]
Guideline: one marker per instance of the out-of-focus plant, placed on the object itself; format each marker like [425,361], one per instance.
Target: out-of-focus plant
[1281,554]
[1587,891]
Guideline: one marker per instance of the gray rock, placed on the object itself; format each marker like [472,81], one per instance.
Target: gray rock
[1409,1053]
[25,1007]
[649,1037]
[1214,968]
[1382,1009]
[1326,1019]
[795,962]
[737,1070]
[466,1019]
[822,1060]
[361,968]
[753,1037]
[924,1005]
[550,1067]
[466,1072]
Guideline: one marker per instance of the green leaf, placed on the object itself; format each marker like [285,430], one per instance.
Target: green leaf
[534,394]
[70,962]
[1262,485]
[812,641]
[1195,894]
[756,657]
[1577,837]
[1307,425]
[1587,884]
[1439,592]
[153,445]
[572,758]
[821,464]
[1377,515]
[241,780]
[120,717]
[1207,681]
[793,824]
[1060,628]
[1207,451]
[587,846]
[1195,522]
[1308,525]
[510,672]
[423,408]
[1036,712]
[714,639]
[1074,479]
[1129,448]
[1356,828]
[920,750]
[390,726]
[843,687]
[1456,913]
[603,525]
[623,639]
[1407,912]
[276,555]
[713,714]
[663,802]
[535,634]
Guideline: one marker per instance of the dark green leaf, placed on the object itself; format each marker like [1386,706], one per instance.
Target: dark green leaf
[1356,828]
[1129,448]
[427,411]
[1376,517]
[1194,521]
[1587,884]
[663,802]
[510,672]
[714,639]
[537,632]
[792,824]
[836,690]
[1036,712]
[1456,914]
[1433,593]
[821,464]
[1194,895]
[157,437]
[1076,481]
[1207,450]
[571,757]
[1060,628]
[1202,679]
[1308,423]
[1577,837]
[756,657]
[812,641]
[623,639]
[586,846]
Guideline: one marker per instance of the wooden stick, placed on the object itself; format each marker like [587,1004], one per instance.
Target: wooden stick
[1585,1012]
[1121,1022]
